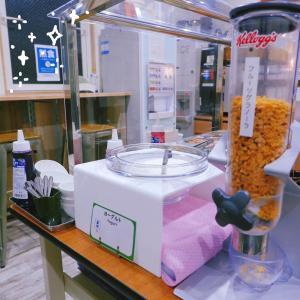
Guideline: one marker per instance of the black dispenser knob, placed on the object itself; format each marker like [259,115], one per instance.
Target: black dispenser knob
[231,209]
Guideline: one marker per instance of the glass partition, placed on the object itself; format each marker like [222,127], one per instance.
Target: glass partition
[160,13]
[99,115]
[43,124]
[165,57]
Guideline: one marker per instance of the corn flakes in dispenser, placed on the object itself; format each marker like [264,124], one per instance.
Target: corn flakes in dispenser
[249,155]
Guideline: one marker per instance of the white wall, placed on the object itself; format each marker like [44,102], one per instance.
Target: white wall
[120,71]
[2,84]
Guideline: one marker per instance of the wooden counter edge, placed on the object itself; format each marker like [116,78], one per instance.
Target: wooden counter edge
[153,283]
[33,96]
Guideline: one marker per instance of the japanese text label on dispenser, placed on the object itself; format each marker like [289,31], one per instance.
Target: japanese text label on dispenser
[249,96]
[114,231]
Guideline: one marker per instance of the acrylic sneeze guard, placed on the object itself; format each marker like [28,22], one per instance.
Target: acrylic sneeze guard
[194,20]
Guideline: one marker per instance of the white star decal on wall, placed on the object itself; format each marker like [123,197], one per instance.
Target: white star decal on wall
[32,37]
[57,34]
[20,79]
[73,16]
[19,19]
[23,58]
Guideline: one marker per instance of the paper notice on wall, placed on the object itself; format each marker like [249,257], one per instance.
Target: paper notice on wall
[249,96]
[161,90]
[161,79]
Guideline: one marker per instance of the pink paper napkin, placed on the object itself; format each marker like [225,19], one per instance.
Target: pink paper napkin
[191,237]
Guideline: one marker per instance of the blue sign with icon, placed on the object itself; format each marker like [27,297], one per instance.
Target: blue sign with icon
[47,63]
[46,60]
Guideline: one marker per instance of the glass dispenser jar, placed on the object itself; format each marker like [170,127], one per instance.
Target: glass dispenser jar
[264,63]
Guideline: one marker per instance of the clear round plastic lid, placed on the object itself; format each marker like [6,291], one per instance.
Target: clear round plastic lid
[157,160]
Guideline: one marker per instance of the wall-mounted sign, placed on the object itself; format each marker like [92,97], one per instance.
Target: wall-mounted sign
[161,90]
[161,79]
[47,63]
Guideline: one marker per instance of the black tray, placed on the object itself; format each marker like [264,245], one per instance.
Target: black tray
[67,221]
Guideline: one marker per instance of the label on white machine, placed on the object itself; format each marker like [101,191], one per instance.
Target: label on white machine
[249,96]
[104,45]
[113,231]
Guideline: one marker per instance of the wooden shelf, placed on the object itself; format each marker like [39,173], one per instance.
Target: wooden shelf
[11,136]
[203,123]
[56,95]
[207,117]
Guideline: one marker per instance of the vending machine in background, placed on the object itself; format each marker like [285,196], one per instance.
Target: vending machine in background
[208,78]
[211,84]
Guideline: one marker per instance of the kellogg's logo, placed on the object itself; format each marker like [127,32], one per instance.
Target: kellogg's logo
[252,38]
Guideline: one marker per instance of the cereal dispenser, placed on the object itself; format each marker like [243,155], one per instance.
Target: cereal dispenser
[262,90]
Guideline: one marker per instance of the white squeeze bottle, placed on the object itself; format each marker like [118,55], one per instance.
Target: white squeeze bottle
[22,169]
[115,142]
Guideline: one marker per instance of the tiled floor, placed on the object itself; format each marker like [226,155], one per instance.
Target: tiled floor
[22,278]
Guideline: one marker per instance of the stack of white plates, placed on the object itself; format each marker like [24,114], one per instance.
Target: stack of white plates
[67,197]
[43,167]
